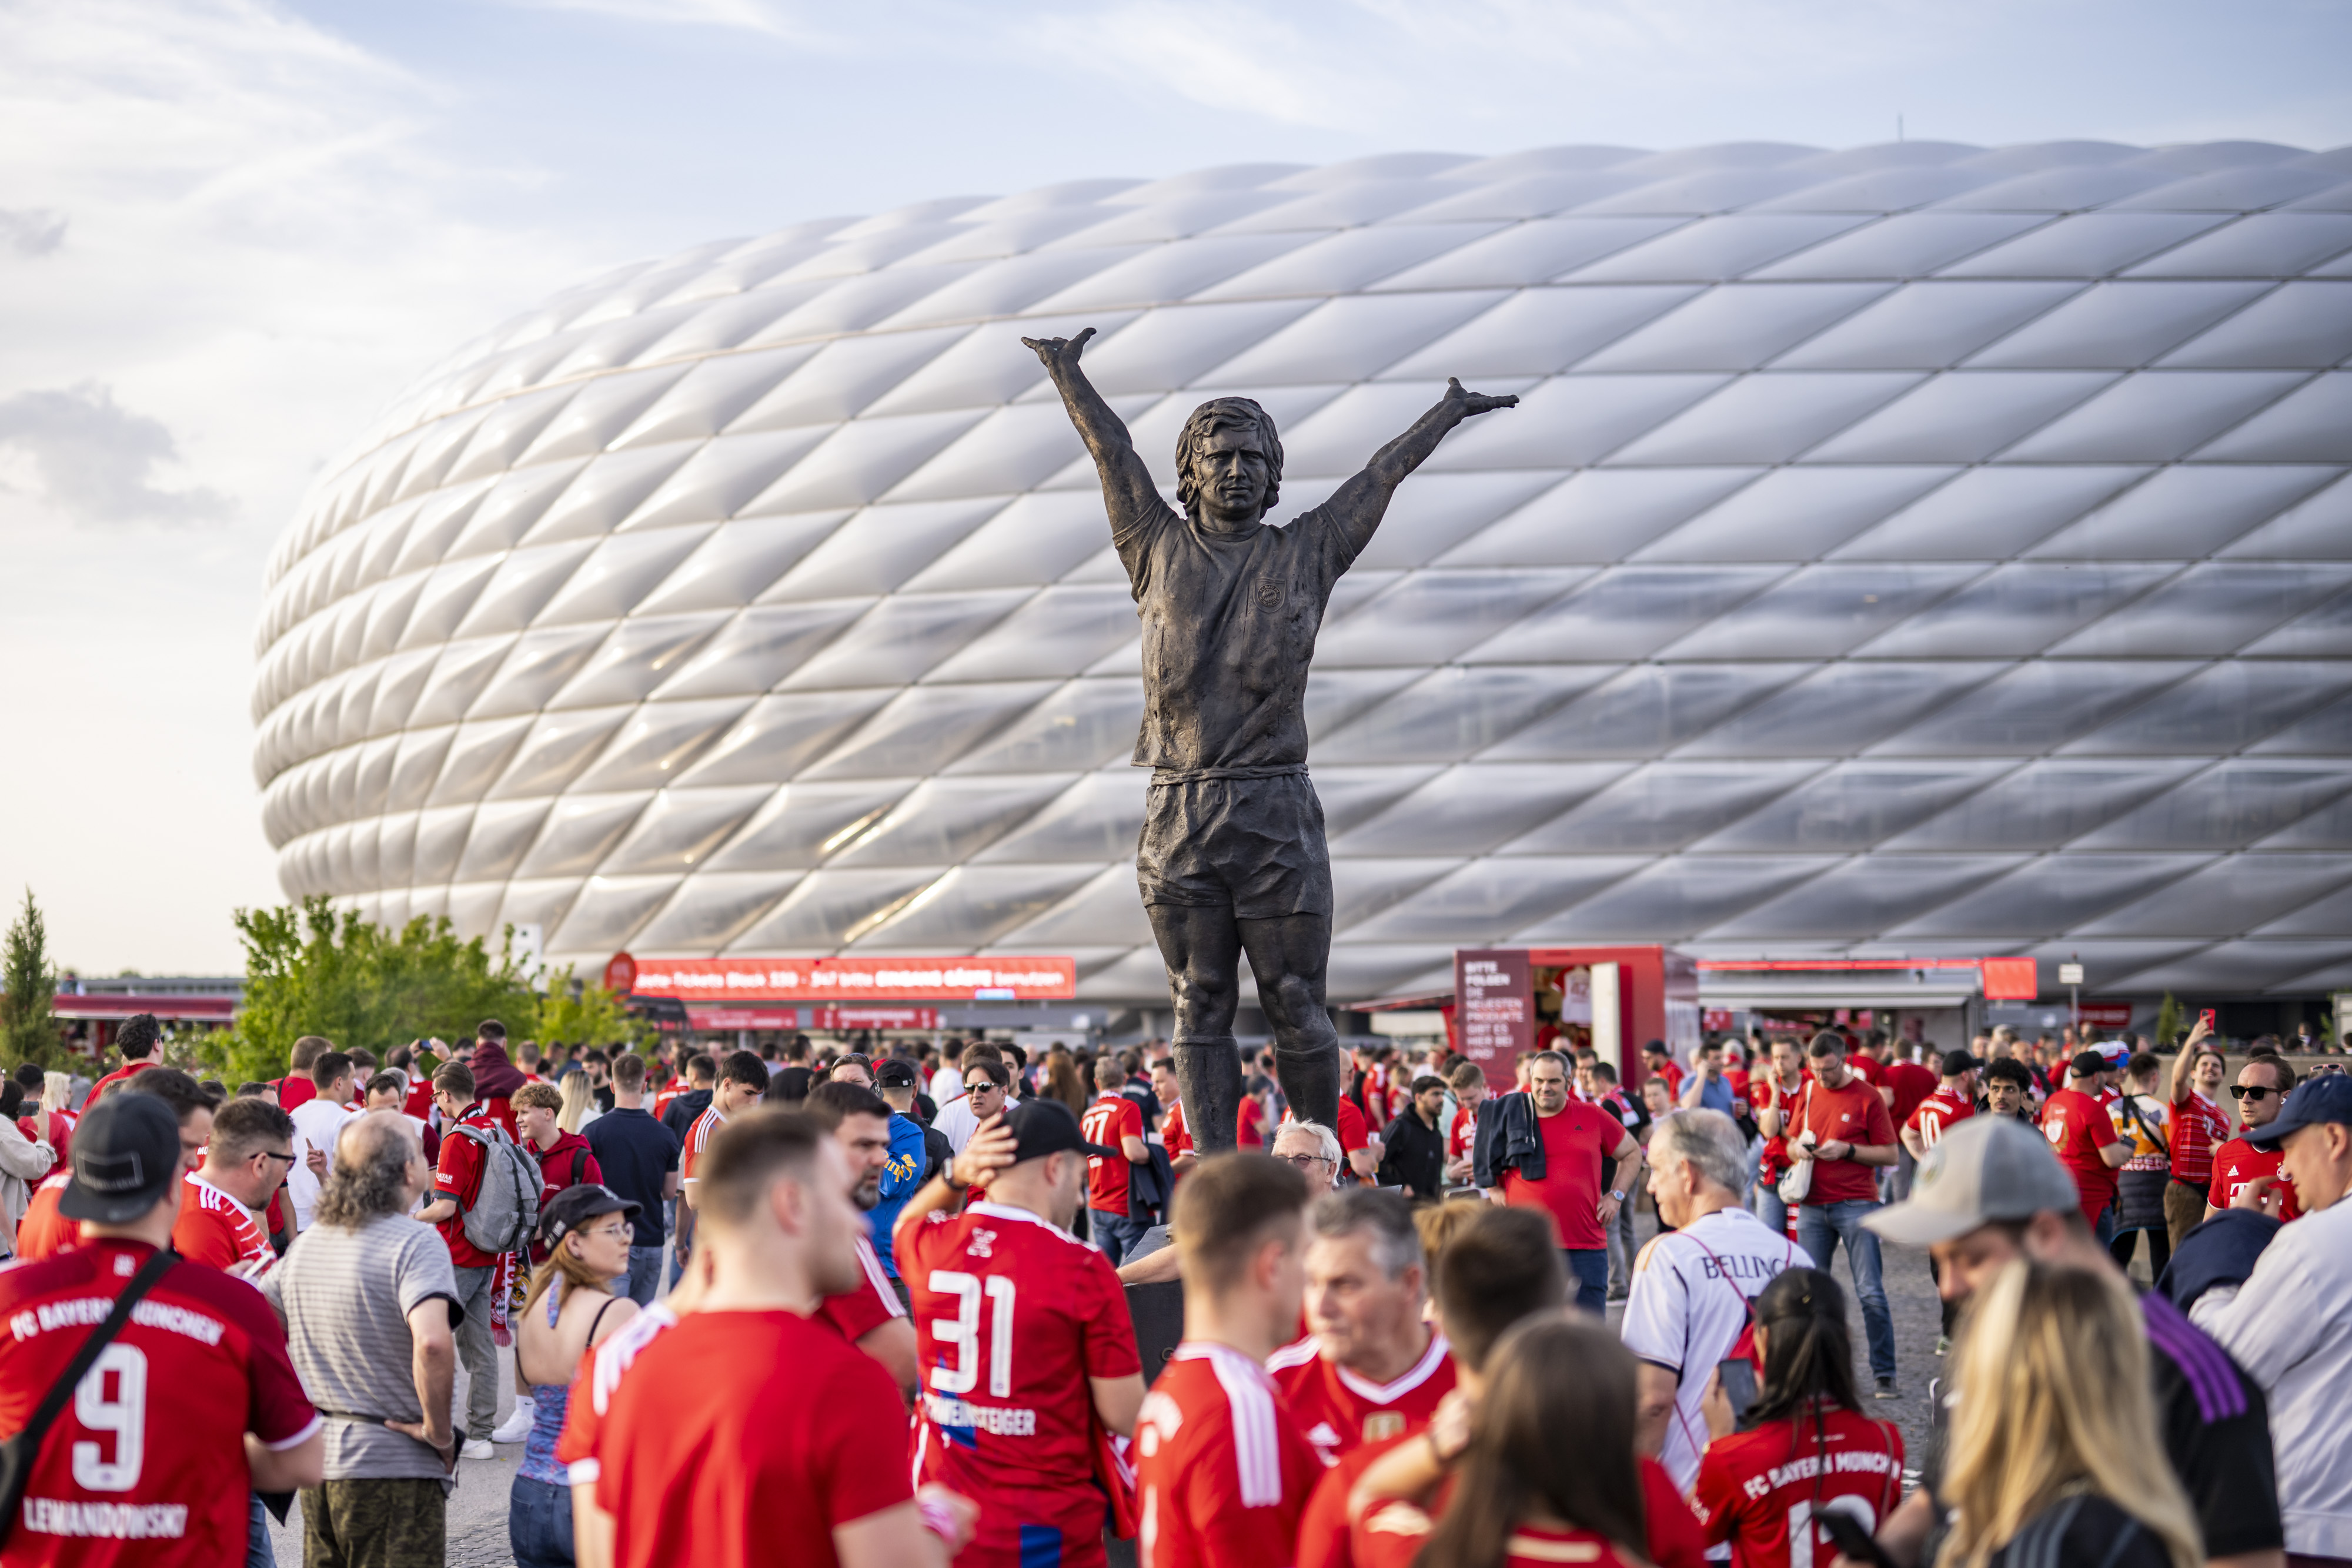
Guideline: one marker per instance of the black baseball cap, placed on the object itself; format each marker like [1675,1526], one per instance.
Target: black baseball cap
[126,1156]
[1042,1127]
[575,1207]
[1956,1063]
[2328,1098]
[894,1072]
[2086,1063]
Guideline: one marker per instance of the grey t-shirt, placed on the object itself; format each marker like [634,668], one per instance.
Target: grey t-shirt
[346,1296]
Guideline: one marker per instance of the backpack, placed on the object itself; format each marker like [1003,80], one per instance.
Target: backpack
[505,1210]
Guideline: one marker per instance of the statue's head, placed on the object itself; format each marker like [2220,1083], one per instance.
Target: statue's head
[1228,461]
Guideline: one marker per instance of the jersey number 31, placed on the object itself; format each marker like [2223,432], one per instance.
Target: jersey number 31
[962,1332]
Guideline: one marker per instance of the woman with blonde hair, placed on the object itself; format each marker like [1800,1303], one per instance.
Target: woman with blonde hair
[571,1306]
[579,1106]
[2056,1460]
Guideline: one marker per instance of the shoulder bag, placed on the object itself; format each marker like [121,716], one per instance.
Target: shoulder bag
[20,1452]
[1797,1179]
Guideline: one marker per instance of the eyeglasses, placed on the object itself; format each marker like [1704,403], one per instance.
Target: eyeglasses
[1303,1161]
[982,1087]
[2250,1091]
[269,1154]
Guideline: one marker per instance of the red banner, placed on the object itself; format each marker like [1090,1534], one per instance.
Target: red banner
[2010,979]
[1495,1007]
[743,1017]
[840,1018]
[723,980]
[2107,1015]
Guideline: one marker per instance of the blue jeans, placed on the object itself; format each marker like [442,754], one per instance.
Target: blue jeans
[1770,1209]
[645,1275]
[539,1524]
[1115,1234]
[258,1553]
[1589,1267]
[1820,1227]
[681,1239]
[2104,1227]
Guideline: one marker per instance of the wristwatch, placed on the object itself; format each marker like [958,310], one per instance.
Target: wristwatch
[1617,1195]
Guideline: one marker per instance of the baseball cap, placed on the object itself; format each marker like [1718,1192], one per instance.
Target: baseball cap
[1042,1127]
[1956,1063]
[126,1156]
[575,1207]
[2115,1051]
[2086,1063]
[1985,1169]
[894,1072]
[2315,1100]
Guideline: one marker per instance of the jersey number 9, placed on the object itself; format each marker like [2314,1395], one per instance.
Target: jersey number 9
[124,1415]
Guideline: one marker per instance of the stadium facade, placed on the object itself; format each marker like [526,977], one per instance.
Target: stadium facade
[1917,550]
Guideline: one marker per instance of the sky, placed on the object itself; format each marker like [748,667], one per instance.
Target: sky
[232,230]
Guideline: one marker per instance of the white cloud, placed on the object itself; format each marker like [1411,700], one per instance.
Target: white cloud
[33,233]
[95,461]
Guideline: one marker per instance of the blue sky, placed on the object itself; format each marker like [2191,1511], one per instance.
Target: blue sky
[231,230]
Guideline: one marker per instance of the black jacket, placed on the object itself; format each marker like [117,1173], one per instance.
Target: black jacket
[1508,1139]
[1413,1155]
[680,1115]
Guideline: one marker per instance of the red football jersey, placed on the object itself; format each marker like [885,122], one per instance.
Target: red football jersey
[1012,1318]
[1172,1130]
[746,1438]
[2238,1162]
[1939,1114]
[855,1313]
[1760,1491]
[1391,1535]
[216,1230]
[1340,1411]
[2197,1128]
[44,1232]
[146,1463]
[1866,1067]
[1249,1125]
[2078,1127]
[1221,1470]
[1109,1121]
[697,1138]
[127,1069]
[57,1127]
[1462,1133]
[1351,1129]
[602,1367]
[458,1175]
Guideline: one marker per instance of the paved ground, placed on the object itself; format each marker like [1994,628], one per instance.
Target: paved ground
[478,1508]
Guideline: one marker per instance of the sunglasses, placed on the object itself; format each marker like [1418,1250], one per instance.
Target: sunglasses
[982,1087]
[2250,1091]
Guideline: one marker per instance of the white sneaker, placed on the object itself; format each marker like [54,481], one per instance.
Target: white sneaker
[478,1448]
[517,1427]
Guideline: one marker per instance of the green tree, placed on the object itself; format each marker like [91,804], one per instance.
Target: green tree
[312,969]
[27,1026]
[2168,1022]
[584,1013]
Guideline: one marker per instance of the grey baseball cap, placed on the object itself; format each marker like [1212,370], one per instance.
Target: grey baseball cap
[1986,1169]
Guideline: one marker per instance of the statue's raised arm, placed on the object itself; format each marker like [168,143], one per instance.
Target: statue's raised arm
[1129,493]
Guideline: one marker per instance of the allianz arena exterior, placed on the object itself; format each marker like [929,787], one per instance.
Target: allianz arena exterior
[1918,550]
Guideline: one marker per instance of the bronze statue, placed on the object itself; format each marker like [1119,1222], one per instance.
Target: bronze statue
[1232,858]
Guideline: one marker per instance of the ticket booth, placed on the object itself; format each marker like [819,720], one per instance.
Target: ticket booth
[1616,998]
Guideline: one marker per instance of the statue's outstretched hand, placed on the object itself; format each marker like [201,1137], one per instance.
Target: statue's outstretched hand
[1060,354]
[1469,402]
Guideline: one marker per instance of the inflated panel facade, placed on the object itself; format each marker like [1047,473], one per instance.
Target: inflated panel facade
[1918,549]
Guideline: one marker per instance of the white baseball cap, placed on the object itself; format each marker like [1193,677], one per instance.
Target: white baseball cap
[1988,1168]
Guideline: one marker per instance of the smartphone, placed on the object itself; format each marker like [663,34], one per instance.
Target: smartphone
[1850,1539]
[1739,1377]
[2207,1019]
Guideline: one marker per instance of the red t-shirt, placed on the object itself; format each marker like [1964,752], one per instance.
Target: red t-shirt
[58,1128]
[43,1231]
[1462,1133]
[1249,1125]
[859,1311]
[2199,1127]
[747,1438]
[2235,1164]
[1911,1084]
[1869,1069]
[1769,1096]
[1221,1473]
[1110,1121]
[216,1230]
[293,1091]
[697,1138]
[1755,1489]
[1353,1134]
[2078,1127]
[1391,1535]
[1852,1113]
[1172,1130]
[1012,1318]
[600,1370]
[1939,1114]
[1575,1144]
[1340,1411]
[127,1069]
[458,1175]
[146,1464]
[419,1103]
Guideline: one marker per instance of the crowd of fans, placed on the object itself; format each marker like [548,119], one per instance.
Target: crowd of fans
[813,1306]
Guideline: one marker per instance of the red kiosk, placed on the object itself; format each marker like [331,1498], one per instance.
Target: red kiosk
[1614,998]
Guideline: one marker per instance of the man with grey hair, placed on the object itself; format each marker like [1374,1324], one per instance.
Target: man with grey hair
[1692,1284]
[1370,1368]
[1311,1146]
[367,1296]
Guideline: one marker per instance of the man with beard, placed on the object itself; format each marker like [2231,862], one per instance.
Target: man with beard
[868,1314]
